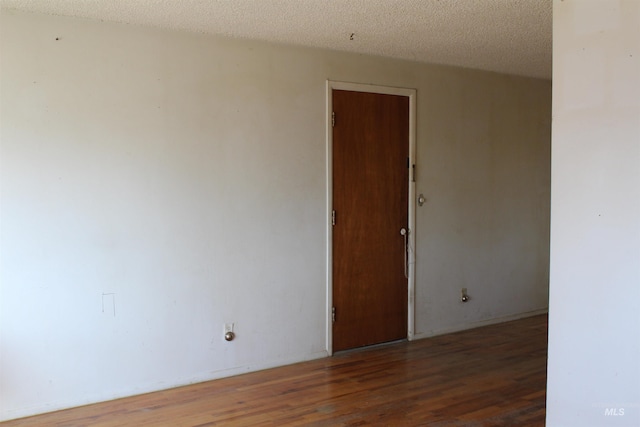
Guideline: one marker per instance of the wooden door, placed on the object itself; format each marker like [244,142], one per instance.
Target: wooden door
[370,203]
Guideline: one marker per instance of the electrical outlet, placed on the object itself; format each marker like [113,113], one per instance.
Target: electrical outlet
[228,327]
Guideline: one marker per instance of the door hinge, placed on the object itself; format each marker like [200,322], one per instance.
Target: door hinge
[412,167]
[333,119]
[333,314]
[333,217]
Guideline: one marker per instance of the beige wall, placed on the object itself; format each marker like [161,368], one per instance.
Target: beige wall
[594,317]
[158,184]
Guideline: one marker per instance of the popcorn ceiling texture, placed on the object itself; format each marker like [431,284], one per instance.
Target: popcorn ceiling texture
[507,36]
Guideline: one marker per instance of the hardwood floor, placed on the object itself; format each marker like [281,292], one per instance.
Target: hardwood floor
[489,376]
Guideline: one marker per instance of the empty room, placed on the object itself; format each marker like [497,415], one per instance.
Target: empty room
[316,212]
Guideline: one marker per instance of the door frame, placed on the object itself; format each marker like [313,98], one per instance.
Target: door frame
[387,90]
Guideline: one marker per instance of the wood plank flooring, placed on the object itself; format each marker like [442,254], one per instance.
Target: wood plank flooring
[489,376]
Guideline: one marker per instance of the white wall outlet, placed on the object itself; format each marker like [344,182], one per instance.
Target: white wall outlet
[228,327]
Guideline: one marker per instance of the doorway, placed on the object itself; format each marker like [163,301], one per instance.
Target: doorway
[371,215]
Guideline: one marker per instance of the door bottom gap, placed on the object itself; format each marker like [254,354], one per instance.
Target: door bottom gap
[370,347]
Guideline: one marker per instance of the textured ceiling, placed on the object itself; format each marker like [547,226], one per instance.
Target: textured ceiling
[508,36]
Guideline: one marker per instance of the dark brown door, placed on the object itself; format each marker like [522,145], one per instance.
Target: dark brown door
[370,200]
